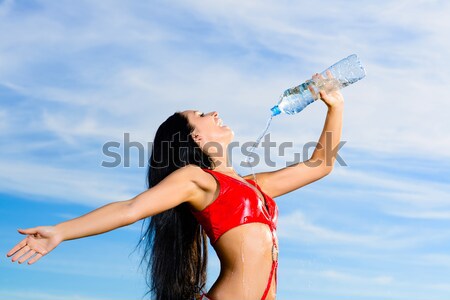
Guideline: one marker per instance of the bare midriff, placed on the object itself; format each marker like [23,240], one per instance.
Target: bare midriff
[246,256]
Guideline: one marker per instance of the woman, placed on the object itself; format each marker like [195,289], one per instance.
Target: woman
[194,192]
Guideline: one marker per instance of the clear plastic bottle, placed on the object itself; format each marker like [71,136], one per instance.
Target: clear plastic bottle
[345,72]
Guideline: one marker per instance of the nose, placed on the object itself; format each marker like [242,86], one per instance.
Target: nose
[215,114]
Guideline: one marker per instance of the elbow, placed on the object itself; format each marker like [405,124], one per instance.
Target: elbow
[328,166]
[327,170]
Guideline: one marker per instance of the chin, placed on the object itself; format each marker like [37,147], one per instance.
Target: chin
[230,132]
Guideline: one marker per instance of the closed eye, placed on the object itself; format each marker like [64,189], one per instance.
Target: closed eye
[202,114]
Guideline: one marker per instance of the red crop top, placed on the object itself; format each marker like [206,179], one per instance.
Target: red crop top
[236,204]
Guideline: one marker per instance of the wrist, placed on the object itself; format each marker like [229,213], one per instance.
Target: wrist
[336,107]
[59,232]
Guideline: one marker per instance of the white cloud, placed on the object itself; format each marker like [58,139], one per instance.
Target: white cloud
[71,129]
[388,109]
[326,282]
[296,227]
[355,279]
[388,91]
[384,111]
[419,192]
[93,71]
[429,215]
[59,184]
[434,259]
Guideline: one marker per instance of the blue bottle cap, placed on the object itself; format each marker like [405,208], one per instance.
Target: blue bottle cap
[275,110]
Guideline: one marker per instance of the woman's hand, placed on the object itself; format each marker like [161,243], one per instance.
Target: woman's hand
[328,92]
[39,242]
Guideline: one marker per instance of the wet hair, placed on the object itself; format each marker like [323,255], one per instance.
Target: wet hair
[175,245]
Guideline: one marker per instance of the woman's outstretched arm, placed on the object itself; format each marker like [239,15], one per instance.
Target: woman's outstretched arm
[43,239]
[322,160]
[175,189]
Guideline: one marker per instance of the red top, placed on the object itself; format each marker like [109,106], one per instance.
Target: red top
[236,204]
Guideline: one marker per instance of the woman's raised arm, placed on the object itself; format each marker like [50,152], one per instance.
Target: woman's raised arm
[175,189]
[288,179]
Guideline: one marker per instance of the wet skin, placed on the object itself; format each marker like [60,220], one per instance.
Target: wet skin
[245,252]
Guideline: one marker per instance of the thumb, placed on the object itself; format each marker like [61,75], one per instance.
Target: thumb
[27,231]
[322,94]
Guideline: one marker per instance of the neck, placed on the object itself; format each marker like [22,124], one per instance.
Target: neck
[224,169]
[222,164]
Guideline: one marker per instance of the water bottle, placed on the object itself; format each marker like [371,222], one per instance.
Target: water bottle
[345,72]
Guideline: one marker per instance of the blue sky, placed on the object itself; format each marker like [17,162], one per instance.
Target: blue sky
[75,75]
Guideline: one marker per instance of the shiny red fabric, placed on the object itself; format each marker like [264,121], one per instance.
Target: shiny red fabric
[236,204]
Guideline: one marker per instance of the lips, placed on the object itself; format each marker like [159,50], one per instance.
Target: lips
[219,122]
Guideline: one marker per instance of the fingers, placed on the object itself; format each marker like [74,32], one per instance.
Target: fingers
[25,250]
[320,76]
[313,92]
[317,76]
[35,258]
[20,253]
[25,253]
[329,74]
[26,256]
[17,247]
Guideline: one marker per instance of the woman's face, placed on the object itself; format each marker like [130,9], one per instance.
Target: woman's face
[208,128]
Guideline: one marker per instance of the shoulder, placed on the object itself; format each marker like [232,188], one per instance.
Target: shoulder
[184,185]
[199,177]
[204,185]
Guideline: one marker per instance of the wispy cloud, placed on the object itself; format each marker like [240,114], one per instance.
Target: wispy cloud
[295,227]
[142,77]
[429,215]
[352,283]
[354,279]
[75,75]
[57,184]
[420,192]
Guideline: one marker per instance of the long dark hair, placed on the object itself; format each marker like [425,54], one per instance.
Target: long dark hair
[175,249]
